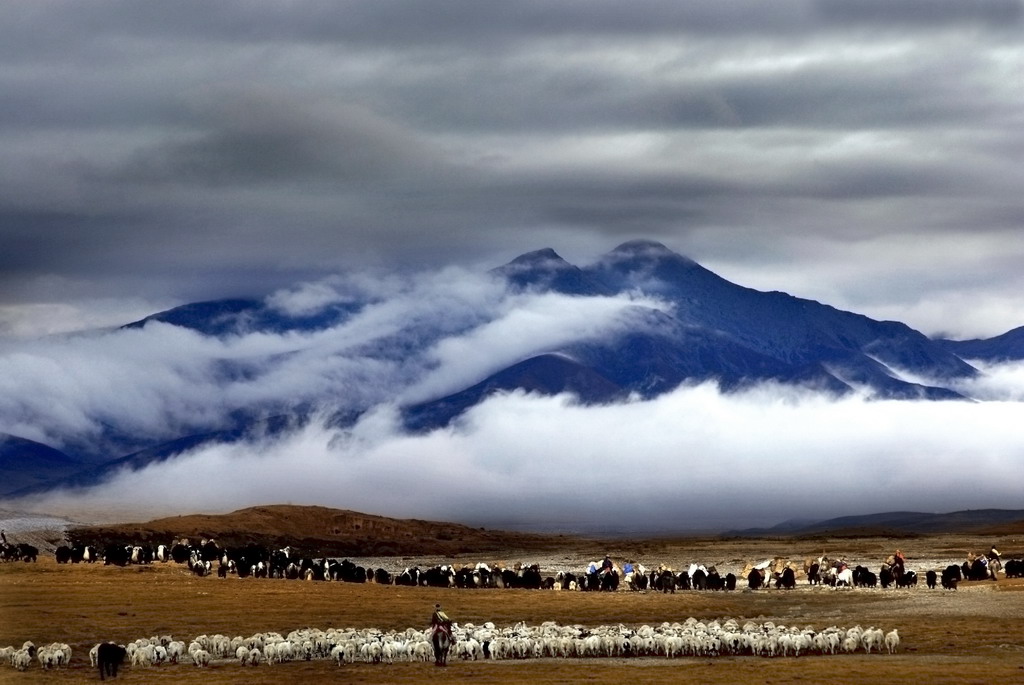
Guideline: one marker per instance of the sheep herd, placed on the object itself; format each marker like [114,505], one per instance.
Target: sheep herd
[52,655]
[549,640]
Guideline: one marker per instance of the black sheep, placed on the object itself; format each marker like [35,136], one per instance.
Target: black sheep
[109,657]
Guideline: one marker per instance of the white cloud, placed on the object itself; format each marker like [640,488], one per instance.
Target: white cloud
[308,298]
[526,325]
[693,459]
[997,382]
[416,338]
[28,321]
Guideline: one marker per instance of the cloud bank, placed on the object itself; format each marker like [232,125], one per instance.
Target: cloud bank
[693,459]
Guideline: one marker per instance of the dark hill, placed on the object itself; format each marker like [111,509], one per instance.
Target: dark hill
[235,316]
[1006,347]
[897,523]
[321,531]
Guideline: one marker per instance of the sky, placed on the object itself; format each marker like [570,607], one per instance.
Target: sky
[863,153]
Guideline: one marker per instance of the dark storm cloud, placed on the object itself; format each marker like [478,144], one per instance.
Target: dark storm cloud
[922,13]
[270,138]
[195,150]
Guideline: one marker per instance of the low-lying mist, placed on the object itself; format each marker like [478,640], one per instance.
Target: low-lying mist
[694,459]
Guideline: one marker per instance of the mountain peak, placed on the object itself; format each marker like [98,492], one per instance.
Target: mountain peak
[641,244]
[546,270]
[644,250]
[545,257]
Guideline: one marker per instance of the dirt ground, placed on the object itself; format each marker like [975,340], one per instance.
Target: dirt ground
[974,634]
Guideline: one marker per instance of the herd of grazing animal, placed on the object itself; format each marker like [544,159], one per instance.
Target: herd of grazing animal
[691,638]
[54,655]
[256,561]
[18,552]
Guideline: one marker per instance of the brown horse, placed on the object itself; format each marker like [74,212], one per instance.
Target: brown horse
[441,639]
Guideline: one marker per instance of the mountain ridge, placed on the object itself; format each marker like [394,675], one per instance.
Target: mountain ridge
[904,522]
[710,330]
[324,530]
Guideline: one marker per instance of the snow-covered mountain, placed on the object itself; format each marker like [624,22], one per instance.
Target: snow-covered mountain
[637,323]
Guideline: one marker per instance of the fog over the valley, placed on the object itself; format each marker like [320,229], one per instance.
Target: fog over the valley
[693,459]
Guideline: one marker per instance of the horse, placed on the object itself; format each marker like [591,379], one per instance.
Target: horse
[441,639]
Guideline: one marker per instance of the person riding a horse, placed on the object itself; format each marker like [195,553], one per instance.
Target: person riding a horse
[440,635]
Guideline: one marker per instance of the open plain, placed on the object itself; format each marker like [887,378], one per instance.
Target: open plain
[973,634]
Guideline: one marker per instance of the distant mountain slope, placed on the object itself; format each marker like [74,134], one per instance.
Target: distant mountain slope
[547,374]
[915,522]
[26,464]
[226,317]
[717,331]
[1006,347]
[84,476]
[788,328]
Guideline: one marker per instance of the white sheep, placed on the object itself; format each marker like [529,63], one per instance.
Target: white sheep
[175,650]
[201,658]
[47,657]
[143,656]
[21,659]
[872,639]
[54,655]
[892,641]
[255,657]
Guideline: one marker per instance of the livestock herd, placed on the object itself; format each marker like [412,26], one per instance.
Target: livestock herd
[256,561]
[549,640]
[17,552]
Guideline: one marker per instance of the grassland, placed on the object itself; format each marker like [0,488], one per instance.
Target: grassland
[972,635]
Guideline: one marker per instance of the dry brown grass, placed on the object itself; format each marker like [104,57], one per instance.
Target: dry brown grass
[972,635]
